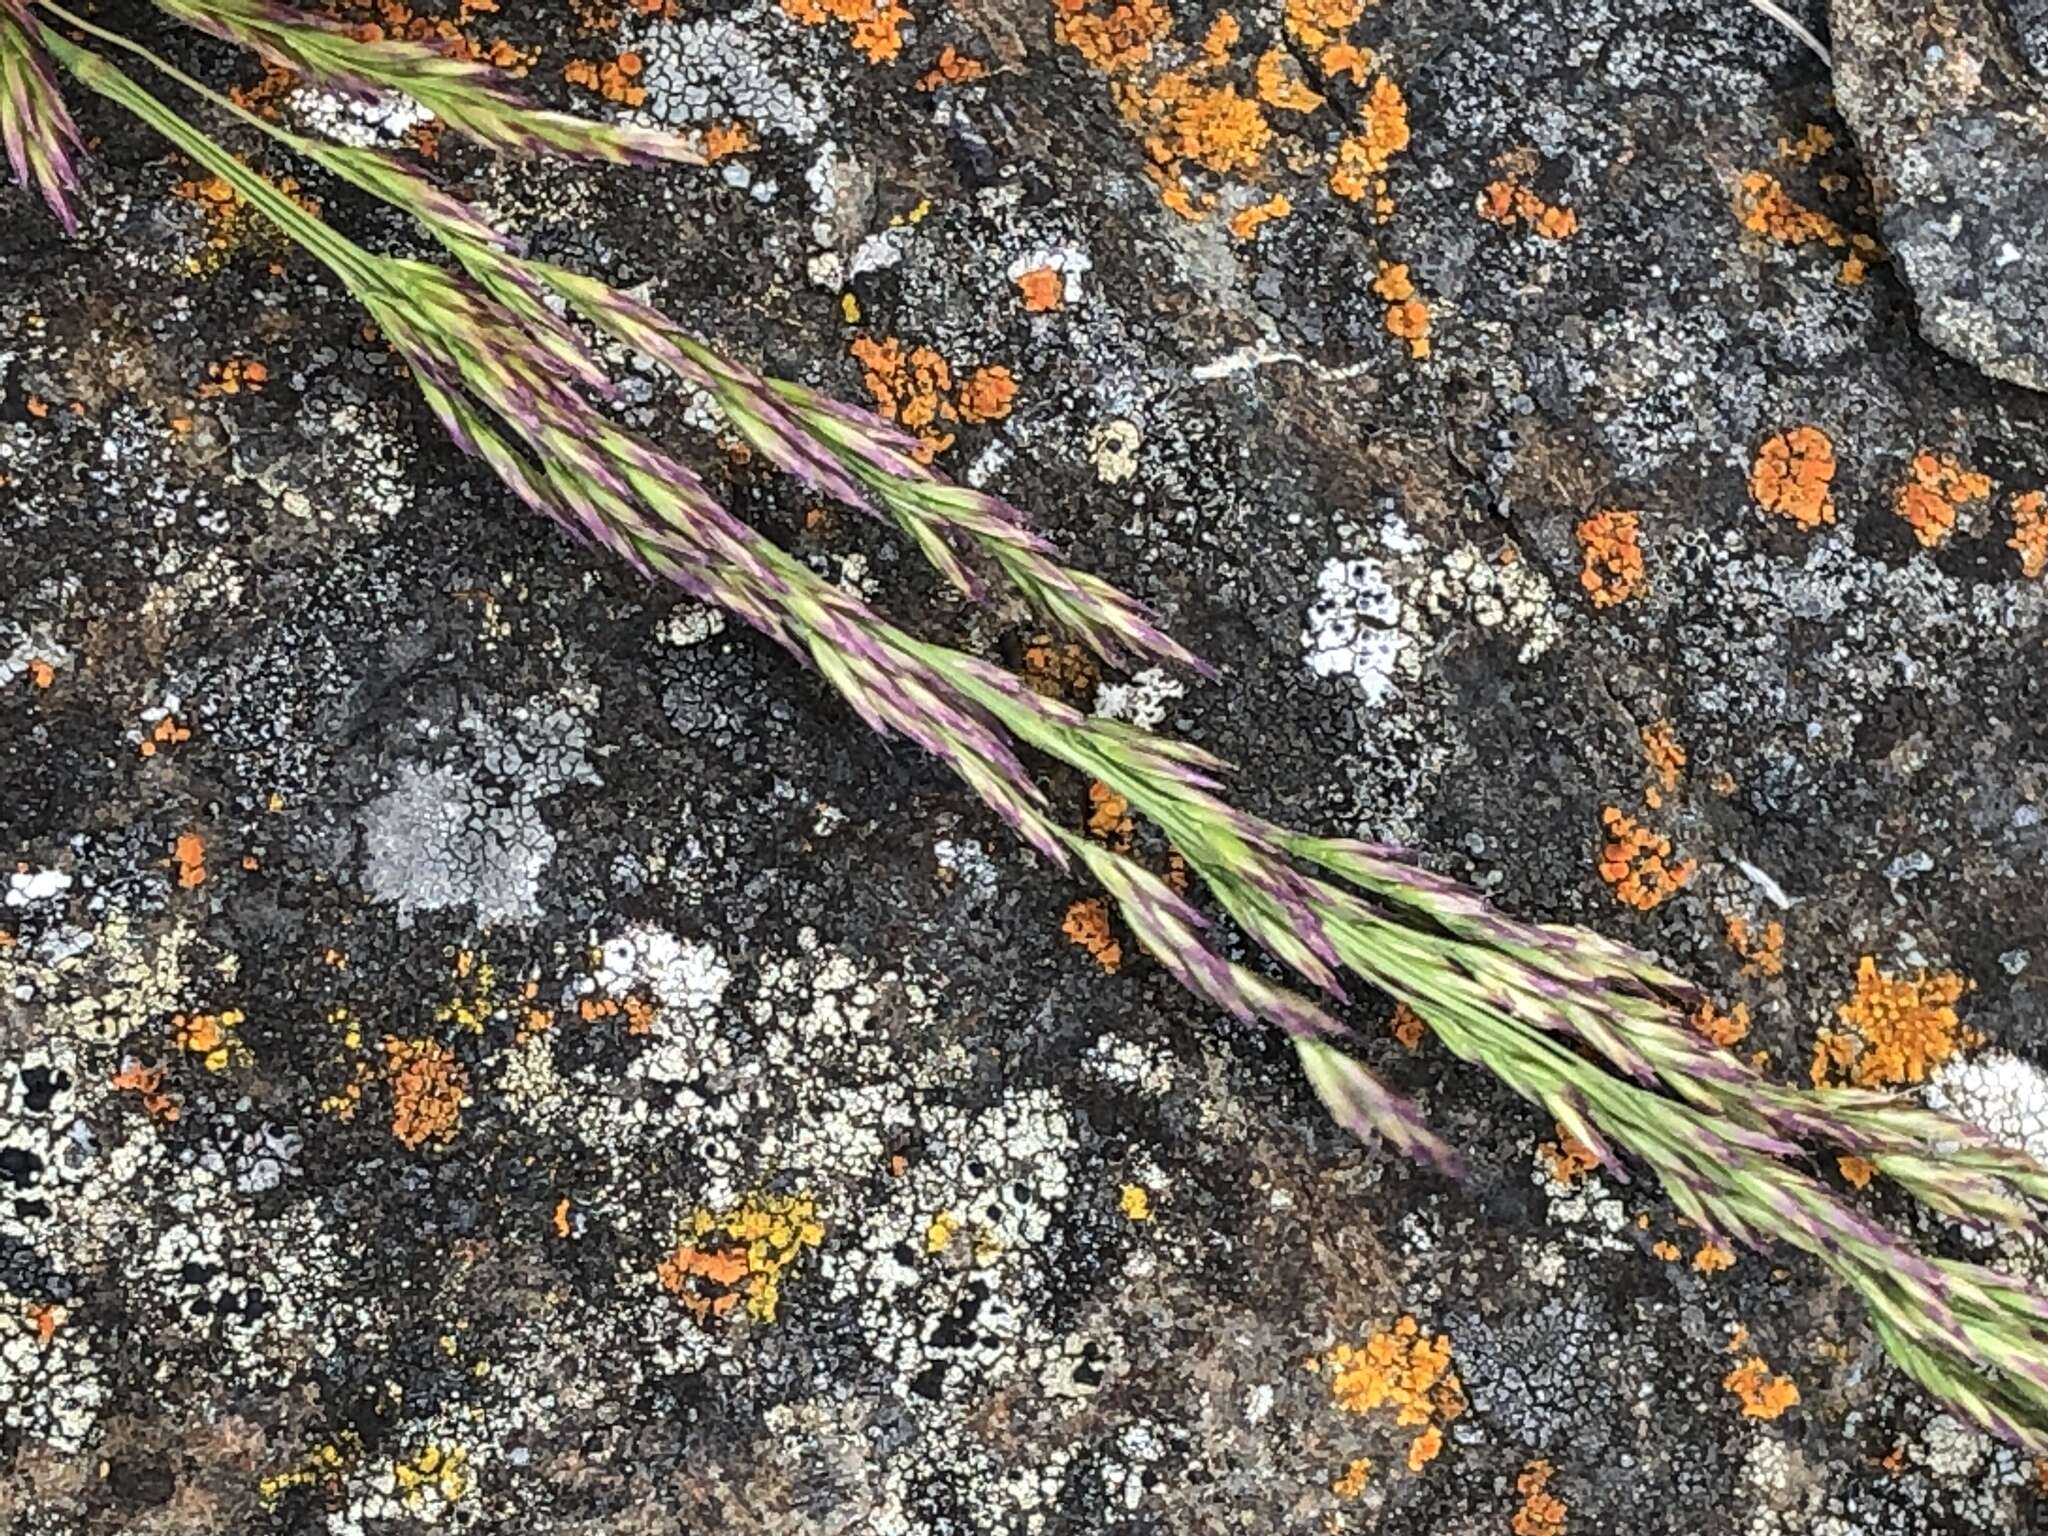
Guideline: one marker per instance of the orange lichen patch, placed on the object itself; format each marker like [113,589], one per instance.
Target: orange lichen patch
[1762,955]
[147,1082]
[1318,23]
[1542,1512]
[1712,1258]
[1041,289]
[1764,207]
[953,68]
[1791,476]
[1087,924]
[1281,85]
[613,79]
[1763,1396]
[165,733]
[1610,557]
[560,1220]
[211,1037]
[233,377]
[1816,140]
[1222,36]
[1245,223]
[1666,757]
[1408,1026]
[1936,488]
[1357,1473]
[1568,1158]
[231,224]
[428,1089]
[1215,126]
[1362,157]
[1632,862]
[724,140]
[1345,62]
[1666,1250]
[1115,38]
[1060,669]
[1507,202]
[189,854]
[641,1012]
[1859,1171]
[914,387]
[40,673]
[987,394]
[1899,1029]
[1723,1029]
[2029,533]
[877,25]
[1400,1369]
[1109,817]
[739,1255]
[1407,316]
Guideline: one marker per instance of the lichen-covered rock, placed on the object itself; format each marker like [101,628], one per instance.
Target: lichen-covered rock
[1948,100]
[487,1044]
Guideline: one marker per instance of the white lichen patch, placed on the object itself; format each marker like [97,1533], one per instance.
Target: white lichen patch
[1113,450]
[1377,618]
[713,69]
[1585,1205]
[365,122]
[1999,1093]
[1143,701]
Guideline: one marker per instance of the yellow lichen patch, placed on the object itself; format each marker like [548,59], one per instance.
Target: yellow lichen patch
[2029,532]
[953,68]
[1542,1512]
[1764,207]
[188,853]
[740,1255]
[1665,756]
[1791,476]
[939,1235]
[433,1469]
[1935,489]
[1113,38]
[1351,1483]
[1610,557]
[1632,862]
[1762,954]
[1400,1369]
[1041,289]
[1723,1029]
[876,25]
[1246,222]
[1135,1201]
[324,1466]
[212,1038]
[428,1089]
[1898,1029]
[1712,1258]
[1508,202]
[1281,85]
[1407,316]
[475,1002]
[1087,924]
[1362,157]
[1762,1395]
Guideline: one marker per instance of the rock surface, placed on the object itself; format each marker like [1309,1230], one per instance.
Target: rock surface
[488,1046]
[1949,105]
